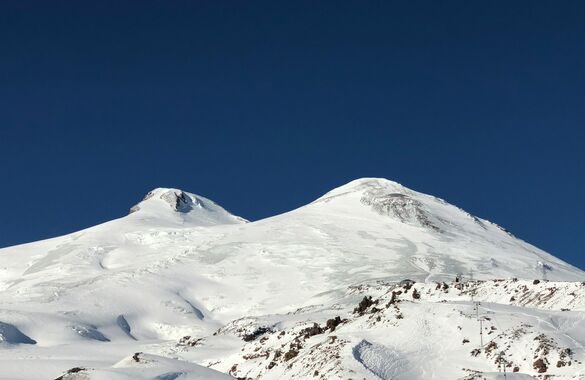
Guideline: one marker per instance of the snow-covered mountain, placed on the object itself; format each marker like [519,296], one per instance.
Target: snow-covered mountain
[176,206]
[181,284]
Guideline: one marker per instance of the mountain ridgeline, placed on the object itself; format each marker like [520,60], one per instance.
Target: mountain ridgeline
[361,283]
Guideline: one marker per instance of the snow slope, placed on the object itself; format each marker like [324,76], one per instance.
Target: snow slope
[180,265]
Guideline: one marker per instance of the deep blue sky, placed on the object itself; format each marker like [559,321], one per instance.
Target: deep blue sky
[264,106]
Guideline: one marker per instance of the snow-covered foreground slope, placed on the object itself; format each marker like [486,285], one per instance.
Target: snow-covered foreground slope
[180,265]
[410,331]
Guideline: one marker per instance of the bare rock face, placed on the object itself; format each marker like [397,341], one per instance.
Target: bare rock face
[73,373]
[177,199]
[180,201]
[540,366]
[173,204]
[400,206]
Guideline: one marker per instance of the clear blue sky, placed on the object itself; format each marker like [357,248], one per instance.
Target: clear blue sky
[264,106]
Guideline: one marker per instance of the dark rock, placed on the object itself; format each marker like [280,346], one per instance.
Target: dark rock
[277,354]
[190,341]
[312,331]
[332,323]
[406,284]
[364,305]
[291,354]
[70,371]
[490,347]
[415,294]
[393,299]
[540,366]
[256,333]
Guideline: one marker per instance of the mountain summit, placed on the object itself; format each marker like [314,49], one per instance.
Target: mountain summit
[390,199]
[191,208]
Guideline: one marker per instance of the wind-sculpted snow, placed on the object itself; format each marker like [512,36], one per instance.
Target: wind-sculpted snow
[382,361]
[180,268]
[89,332]
[141,366]
[12,335]
[125,326]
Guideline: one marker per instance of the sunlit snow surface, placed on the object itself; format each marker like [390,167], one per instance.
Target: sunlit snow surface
[180,265]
